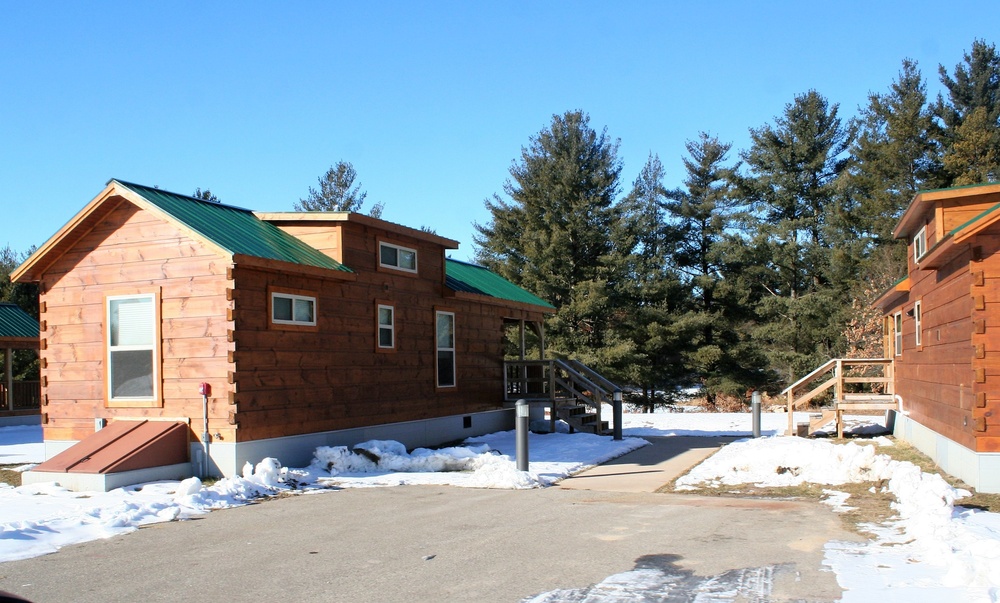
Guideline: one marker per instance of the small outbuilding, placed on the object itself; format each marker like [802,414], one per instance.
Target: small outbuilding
[264,334]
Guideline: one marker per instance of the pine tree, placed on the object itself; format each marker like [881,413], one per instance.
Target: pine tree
[894,156]
[205,195]
[792,182]
[971,117]
[552,236]
[337,192]
[650,290]
[716,349]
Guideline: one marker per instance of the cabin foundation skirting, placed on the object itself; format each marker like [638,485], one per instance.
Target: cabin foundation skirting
[228,459]
[981,470]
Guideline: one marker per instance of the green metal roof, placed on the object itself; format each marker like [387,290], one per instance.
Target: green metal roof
[470,278]
[234,229]
[15,322]
[956,188]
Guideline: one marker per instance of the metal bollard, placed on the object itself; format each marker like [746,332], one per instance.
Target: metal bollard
[521,425]
[617,399]
[755,409]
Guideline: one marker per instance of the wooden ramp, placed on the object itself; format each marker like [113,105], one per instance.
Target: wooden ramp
[122,451]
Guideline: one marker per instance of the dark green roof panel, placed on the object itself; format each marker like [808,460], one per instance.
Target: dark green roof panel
[470,278]
[236,230]
[15,322]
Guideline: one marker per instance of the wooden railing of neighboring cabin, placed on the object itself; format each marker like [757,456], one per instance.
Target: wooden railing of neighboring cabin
[26,395]
[839,372]
[563,383]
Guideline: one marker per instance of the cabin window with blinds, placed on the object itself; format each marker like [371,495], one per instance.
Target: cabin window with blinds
[386,327]
[132,351]
[918,321]
[293,310]
[445,349]
[397,258]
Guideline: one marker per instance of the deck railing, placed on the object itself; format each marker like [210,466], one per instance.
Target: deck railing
[26,395]
[842,374]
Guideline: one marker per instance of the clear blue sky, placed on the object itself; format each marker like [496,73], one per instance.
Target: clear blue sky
[431,101]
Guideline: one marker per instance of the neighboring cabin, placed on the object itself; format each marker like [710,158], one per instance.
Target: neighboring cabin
[942,328]
[310,328]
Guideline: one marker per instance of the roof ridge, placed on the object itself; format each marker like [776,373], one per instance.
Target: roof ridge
[182,195]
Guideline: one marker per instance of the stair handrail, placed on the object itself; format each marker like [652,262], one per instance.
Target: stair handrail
[836,382]
[593,375]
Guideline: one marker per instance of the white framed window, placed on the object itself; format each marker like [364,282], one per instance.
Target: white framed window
[445,334]
[920,244]
[293,309]
[897,329]
[917,321]
[386,327]
[132,350]
[397,258]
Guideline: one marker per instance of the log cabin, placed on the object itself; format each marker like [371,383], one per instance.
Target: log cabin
[942,331]
[205,336]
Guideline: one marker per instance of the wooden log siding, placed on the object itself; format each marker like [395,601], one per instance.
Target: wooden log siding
[134,251]
[301,382]
[935,379]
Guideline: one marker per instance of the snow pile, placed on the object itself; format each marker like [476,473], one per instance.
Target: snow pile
[789,462]
[956,548]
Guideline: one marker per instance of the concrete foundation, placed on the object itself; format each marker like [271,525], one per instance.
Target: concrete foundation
[981,470]
[228,458]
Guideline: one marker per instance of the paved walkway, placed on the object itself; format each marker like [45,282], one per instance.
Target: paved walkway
[649,467]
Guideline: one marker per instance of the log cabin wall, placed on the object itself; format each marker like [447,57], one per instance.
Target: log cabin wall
[935,379]
[984,285]
[296,381]
[132,251]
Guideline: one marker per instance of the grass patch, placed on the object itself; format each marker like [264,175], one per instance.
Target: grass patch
[9,476]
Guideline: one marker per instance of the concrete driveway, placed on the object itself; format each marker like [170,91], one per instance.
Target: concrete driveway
[423,543]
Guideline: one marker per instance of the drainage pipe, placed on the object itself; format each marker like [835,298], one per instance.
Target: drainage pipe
[205,390]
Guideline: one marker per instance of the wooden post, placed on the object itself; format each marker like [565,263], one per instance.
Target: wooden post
[791,418]
[838,396]
[9,372]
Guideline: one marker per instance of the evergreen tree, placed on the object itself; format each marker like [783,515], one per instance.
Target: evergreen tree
[716,348]
[650,290]
[792,182]
[337,192]
[205,195]
[971,117]
[894,156]
[553,235]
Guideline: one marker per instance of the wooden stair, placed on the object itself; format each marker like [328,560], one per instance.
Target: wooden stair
[581,418]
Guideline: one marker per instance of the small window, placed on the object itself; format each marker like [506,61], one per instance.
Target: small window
[398,258]
[917,321]
[386,327]
[920,244]
[132,350]
[898,333]
[445,349]
[291,309]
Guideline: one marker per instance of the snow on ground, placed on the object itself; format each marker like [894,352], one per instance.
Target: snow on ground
[932,551]
[39,519]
